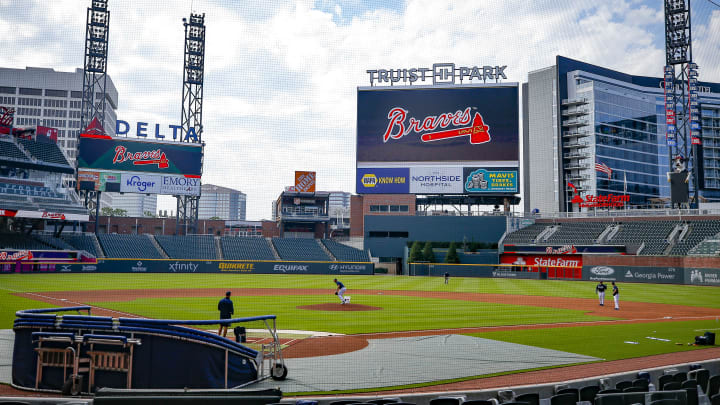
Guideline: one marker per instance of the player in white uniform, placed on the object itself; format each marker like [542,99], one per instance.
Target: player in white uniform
[600,289]
[616,296]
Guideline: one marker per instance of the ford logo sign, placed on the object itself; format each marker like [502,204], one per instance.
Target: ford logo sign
[602,270]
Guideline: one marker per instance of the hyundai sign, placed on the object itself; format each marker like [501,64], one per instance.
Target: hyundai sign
[448,140]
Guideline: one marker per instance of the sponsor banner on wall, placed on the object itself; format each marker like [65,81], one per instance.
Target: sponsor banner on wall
[383,181]
[563,249]
[58,216]
[436,180]
[702,276]
[478,180]
[193,266]
[636,274]
[542,260]
[140,183]
[179,185]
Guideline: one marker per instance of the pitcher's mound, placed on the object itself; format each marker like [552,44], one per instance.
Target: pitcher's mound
[339,307]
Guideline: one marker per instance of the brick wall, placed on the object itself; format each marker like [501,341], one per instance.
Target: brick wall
[154,226]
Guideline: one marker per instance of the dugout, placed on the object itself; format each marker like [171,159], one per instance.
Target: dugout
[60,352]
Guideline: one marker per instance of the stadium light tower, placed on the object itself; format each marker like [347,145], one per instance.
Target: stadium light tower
[682,112]
[191,119]
[97,29]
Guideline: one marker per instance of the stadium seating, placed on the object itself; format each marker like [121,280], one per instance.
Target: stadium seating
[8,150]
[713,386]
[525,235]
[47,152]
[53,242]
[345,253]
[240,248]
[82,241]
[698,231]
[300,249]
[652,233]
[578,233]
[201,247]
[128,246]
[21,241]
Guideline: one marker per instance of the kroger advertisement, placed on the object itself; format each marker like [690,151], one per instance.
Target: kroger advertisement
[102,152]
[155,184]
[442,124]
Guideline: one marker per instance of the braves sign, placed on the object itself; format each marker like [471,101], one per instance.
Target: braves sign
[445,126]
[399,126]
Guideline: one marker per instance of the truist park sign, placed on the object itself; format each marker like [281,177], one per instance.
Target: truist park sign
[438,140]
[438,74]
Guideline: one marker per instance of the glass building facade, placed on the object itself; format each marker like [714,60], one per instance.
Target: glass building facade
[611,130]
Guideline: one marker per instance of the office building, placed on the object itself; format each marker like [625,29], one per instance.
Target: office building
[589,130]
[221,203]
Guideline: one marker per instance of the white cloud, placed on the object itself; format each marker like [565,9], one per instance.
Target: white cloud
[281,76]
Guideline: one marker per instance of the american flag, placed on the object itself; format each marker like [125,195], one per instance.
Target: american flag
[602,167]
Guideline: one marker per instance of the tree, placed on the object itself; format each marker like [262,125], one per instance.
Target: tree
[415,253]
[149,214]
[428,254]
[106,211]
[214,218]
[452,256]
[119,212]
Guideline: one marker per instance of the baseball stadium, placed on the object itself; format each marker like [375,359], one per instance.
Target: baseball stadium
[470,269]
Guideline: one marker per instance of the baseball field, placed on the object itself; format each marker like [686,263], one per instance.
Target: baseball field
[653,320]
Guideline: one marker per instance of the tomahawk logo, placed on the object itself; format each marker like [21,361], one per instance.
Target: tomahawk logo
[146,157]
[6,116]
[466,125]
[629,274]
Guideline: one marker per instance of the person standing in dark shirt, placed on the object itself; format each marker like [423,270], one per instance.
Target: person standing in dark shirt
[225,306]
[600,289]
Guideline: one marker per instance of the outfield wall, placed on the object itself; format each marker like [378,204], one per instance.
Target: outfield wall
[652,269]
[193,266]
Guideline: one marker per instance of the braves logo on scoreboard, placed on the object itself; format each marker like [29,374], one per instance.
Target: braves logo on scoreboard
[465,123]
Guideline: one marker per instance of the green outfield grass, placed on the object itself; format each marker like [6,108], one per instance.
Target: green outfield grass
[192,308]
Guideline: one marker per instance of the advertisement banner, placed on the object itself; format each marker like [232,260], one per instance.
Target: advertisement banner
[140,183]
[102,152]
[305,182]
[459,124]
[485,180]
[661,275]
[697,276]
[436,180]
[47,215]
[196,266]
[542,260]
[383,181]
[179,185]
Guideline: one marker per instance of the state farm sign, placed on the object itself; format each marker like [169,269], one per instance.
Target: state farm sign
[542,260]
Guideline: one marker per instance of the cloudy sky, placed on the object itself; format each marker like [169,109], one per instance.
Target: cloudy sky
[281,76]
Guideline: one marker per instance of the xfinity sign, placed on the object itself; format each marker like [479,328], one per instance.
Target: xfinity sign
[440,73]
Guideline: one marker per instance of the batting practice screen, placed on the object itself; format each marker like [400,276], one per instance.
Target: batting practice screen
[448,140]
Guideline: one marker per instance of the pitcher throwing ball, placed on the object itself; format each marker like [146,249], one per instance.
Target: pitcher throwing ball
[340,292]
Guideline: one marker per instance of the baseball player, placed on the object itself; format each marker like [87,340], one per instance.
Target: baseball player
[616,296]
[447,277]
[340,291]
[600,289]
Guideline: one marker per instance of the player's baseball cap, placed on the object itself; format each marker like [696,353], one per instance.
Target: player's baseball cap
[227,293]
